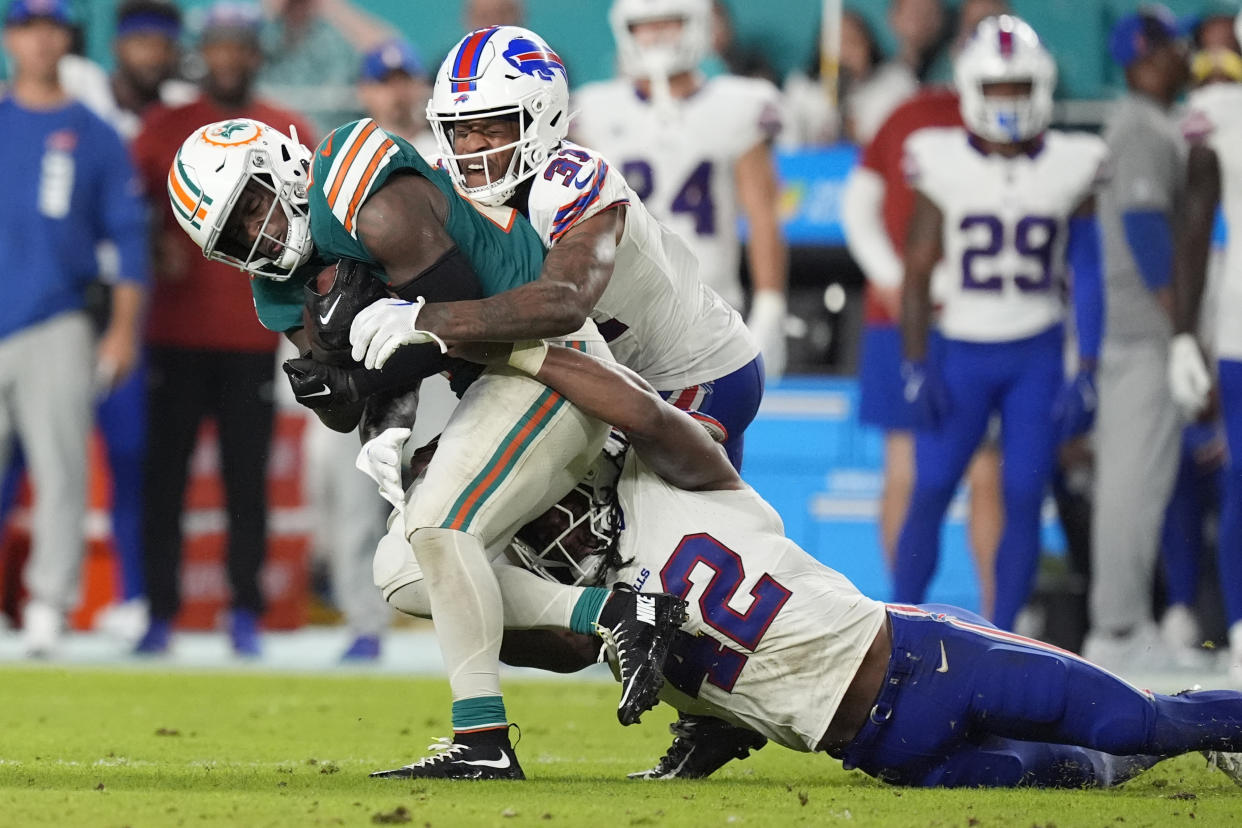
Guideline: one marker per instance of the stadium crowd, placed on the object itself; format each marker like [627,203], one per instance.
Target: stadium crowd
[1118,393]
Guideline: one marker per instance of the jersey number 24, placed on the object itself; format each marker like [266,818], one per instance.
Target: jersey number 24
[694,196]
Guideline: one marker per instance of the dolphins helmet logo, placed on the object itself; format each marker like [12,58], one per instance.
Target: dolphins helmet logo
[532,58]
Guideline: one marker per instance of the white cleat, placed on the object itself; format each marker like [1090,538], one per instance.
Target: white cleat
[42,625]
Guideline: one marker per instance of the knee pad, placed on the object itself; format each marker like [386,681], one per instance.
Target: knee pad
[1031,688]
[394,565]
[411,599]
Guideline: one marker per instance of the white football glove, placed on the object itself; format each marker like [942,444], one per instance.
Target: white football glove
[385,325]
[380,460]
[1189,378]
[767,323]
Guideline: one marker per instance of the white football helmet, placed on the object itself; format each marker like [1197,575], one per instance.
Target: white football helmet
[1005,49]
[209,173]
[499,71]
[681,54]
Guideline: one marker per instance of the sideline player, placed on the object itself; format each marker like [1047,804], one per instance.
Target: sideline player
[781,644]
[251,197]
[1002,207]
[1214,178]
[695,150]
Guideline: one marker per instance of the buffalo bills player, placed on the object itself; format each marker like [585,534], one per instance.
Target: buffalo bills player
[1214,178]
[500,112]
[789,650]
[697,150]
[1002,206]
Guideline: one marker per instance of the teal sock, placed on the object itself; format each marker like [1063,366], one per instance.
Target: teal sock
[479,713]
[586,610]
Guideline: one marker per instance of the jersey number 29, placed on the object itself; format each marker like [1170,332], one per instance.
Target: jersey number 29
[1033,238]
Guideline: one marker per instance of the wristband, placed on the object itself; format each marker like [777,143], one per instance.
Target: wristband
[528,356]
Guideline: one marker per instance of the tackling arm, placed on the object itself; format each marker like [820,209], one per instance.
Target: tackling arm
[575,273]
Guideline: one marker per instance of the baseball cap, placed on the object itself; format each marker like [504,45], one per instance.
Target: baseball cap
[394,56]
[1137,35]
[23,11]
[228,20]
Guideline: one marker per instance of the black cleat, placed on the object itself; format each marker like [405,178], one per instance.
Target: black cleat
[702,746]
[454,760]
[637,629]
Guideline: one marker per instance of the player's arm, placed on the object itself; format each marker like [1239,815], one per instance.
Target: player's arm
[867,239]
[758,193]
[1195,236]
[669,440]
[1083,255]
[924,247]
[575,272]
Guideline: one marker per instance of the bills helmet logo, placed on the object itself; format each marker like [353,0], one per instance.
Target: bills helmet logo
[532,58]
[461,99]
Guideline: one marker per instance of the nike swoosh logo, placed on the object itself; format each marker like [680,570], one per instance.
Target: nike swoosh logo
[944,660]
[326,152]
[499,764]
[325,392]
[323,319]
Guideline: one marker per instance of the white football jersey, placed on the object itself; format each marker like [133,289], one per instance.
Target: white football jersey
[1006,222]
[1214,117]
[681,162]
[658,319]
[779,636]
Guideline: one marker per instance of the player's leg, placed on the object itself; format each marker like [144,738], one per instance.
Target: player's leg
[122,419]
[1180,545]
[176,403]
[53,410]
[726,406]
[948,678]
[940,458]
[881,405]
[1137,440]
[1008,763]
[1028,446]
[987,518]
[1229,543]
[244,414]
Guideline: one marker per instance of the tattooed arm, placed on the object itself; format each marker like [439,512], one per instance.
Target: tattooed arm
[575,273]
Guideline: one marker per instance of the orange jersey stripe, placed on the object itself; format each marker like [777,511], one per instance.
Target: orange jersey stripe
[349,160]
[502,465]
[368,175]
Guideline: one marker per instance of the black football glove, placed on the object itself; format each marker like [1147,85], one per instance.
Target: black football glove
[316,385]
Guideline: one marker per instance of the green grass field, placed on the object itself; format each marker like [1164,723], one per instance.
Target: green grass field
[94,747]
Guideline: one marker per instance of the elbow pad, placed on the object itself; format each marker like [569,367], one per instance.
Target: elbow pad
[450,279]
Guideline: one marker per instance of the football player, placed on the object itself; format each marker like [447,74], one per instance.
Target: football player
[500,111]
[1002,206]
[254,198]
[787,648]
[495,108]
[1214,178]
[695,150]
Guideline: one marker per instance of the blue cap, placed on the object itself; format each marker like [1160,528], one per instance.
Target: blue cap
[23,11]
[393,56]
[1136,35]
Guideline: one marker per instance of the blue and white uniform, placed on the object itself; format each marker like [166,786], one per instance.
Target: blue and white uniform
[658,318]
[1002,279]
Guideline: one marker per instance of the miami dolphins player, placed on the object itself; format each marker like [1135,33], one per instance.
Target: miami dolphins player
[788,649]
[255,198]
[500,114]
